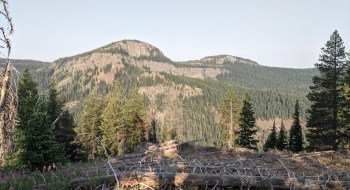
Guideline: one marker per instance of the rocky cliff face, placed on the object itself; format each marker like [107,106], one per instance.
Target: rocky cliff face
[146,56]
[220,59]
[134,48]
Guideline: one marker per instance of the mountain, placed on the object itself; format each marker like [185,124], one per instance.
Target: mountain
[21,64]
[194,87]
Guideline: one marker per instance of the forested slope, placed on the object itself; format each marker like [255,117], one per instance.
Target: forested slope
[273,91]
[21,64]
[286,80]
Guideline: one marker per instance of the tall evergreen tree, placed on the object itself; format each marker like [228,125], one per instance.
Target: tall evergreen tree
[296,135]
[282,138]
[34,138]
[62,120]
[247,125]
[229,118]
[113,126]
[27,87]
[327,97]
[164,131]
[151,111]
[89,132]
[174,116]
[272,140]
[135,120]
[345,116]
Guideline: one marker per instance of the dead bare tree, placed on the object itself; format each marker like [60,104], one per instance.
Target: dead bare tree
[8,97]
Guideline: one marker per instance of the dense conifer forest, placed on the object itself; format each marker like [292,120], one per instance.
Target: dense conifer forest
[272,91]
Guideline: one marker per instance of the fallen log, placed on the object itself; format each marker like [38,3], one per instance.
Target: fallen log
[130,156]
[171,145]
[188,142]
[157,180]
[168,143]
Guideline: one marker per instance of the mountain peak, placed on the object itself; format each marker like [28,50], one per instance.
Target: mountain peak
[221,59]
[133,48]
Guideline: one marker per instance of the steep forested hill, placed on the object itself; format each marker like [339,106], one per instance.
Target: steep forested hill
[21,64]
[194,88]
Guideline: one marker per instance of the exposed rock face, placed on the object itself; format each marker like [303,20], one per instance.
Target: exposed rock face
[144,56]
[95,59]
[135,48]
[187,91]
[220,59]
[184,71]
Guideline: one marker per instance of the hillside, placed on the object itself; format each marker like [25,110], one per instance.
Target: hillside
[21,64]
[194,88]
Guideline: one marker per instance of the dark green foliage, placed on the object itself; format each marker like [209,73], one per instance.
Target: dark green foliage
[247,125]
[66,136]
[34,138]
[107,68]
[272,140]
[135,121]
[345,115]
[27,87]
[229,118]
[62,121]
[285,80]
[327,97]
[113,126]
[282,138]
[89,132]
[164,131]
[296,135]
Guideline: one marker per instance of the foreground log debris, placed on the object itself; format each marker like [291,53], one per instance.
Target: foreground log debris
[196,167]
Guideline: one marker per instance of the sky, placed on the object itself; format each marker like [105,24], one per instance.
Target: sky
[271,32]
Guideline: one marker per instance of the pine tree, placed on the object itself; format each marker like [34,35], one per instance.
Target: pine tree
[229,118]
[135,120]
[327,97]
[89,132]
[113,127]
[34,138]
[174,115]
[345,115]
[27,87]
[164,131]
[62,120]
[272,140]
[296,135]
[154,133]
[55,103]
[247,125]
[282,138]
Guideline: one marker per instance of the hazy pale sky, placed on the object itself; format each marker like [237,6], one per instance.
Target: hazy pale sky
[270,32]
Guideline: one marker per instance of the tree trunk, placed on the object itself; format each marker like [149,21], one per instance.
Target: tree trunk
[6,141]
[230,143]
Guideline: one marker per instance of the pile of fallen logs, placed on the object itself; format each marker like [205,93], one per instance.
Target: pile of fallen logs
[170,148]
[215,170]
